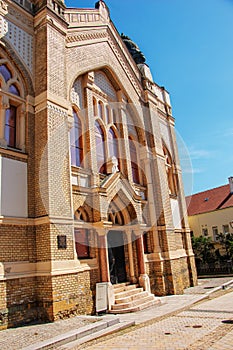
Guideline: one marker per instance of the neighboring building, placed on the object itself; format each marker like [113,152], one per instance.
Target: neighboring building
[89,166]
[211,212]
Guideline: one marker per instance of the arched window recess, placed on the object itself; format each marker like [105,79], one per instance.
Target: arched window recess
[134,160]
[113,164]
[100,147]
[76,141]
[171,176]
[12,110]
[83,236]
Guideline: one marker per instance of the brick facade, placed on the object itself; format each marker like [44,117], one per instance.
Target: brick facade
[77,66]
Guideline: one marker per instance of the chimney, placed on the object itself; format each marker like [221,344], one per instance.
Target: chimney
[231,183]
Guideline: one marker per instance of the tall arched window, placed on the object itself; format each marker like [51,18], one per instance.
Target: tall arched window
[100,148]
[134,161]
[100,110]
[107,114]
[5,72]
[113,149]
[76,143]
[171,177]
[12,126]
[95,106]
[112,144]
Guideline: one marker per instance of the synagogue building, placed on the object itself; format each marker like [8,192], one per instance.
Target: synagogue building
[90,181]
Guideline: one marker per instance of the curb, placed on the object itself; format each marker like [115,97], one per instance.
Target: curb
[83,334]
[223,286]
[110,330]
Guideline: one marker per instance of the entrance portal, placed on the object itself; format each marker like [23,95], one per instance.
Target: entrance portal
[116,257]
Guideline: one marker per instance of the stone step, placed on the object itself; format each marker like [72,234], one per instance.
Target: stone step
[137,308]
[121,287]
[133,303]
[128,293]
[131,297]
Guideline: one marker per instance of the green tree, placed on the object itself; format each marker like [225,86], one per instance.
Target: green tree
[203,248]
[226,241]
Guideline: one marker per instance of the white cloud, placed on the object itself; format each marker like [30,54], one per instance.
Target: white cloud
[199,153]
[192,170]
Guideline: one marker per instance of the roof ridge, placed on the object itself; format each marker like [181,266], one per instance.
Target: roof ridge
[209,190]
[224,200]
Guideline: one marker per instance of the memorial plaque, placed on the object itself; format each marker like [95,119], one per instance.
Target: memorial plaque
[101,296]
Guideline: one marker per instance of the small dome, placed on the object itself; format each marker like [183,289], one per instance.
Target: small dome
[134,50]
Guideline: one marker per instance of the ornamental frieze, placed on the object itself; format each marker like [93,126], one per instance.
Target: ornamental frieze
[86,36]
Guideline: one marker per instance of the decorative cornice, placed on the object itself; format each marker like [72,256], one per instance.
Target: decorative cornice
[71,38]
[45,220]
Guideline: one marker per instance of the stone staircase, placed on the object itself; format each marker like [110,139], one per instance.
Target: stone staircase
[131,298]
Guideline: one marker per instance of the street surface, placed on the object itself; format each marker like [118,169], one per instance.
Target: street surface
[189,321]
[206,325]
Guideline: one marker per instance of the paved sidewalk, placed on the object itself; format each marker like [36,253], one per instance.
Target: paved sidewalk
[19,338]
[200,327]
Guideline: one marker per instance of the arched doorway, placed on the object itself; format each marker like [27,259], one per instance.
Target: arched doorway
[116,257]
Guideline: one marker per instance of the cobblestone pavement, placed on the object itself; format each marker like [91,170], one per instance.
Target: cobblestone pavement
[18,338]
[198,328]
[177,331]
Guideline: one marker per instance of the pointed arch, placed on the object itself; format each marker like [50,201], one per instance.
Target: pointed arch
[121,209]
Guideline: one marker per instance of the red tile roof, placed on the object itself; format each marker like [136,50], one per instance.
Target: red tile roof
[210,200]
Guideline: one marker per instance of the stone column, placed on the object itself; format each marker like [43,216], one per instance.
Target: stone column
[130,251]
[144,280]
[103,256]
[4,106]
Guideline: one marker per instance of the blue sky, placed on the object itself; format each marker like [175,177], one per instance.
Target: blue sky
[188,45]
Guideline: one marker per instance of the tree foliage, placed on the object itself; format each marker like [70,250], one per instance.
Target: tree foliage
[203,248]
[226,241]
[205,251]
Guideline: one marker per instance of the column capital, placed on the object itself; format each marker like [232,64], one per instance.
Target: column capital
[89,80]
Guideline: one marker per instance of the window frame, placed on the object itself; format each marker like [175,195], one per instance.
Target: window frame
[80,247]
[12,100]
[76,145]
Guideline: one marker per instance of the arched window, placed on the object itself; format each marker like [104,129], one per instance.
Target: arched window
[114,116]
[12,127]
[5,72]
[100,110]
[107,114]
[134,161]
[100,148]
[171,178]
[112,144]
[76,143]
[14,90]
[82,243]
[95,106]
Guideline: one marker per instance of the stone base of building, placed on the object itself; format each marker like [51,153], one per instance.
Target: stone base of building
[47,299]
[171,276]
